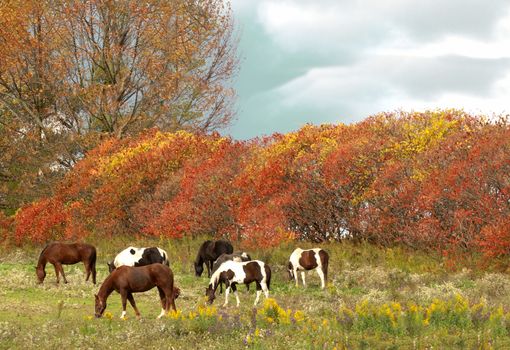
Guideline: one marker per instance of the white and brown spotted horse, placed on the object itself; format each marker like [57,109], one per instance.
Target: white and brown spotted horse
[133,256]
[310,259]
[232,272]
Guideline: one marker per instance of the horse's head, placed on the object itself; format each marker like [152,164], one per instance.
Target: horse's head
[209,293]
[290,270]
[246,257]
[100,306]
[176,292]
[199,268]
[41,273]
[111,266]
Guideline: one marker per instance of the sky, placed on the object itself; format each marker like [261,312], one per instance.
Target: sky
[340,61]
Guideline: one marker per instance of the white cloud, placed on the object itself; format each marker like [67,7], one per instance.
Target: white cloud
[329,58]
[345,24]
[394,82]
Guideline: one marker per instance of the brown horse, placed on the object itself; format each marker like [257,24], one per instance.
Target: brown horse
[127,280]
[59,253]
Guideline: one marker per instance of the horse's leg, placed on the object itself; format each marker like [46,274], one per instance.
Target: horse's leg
[164,302]
[265,289]
[234,288]
[94,272]
[209,267]
[56,272]
[61,270]
[321,275]
[227,290]
[133,304]
[123,297]
[87,270]
[259,288]
[62,273]
[303,278]
[296,278]
[170,299]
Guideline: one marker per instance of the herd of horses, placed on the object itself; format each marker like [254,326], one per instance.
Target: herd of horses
[137,270]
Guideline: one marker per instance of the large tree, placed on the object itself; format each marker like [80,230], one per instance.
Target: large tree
[74,71]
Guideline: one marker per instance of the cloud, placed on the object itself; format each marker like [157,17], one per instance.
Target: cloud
[342,60]
[416,77]
[329,25]
[351,93]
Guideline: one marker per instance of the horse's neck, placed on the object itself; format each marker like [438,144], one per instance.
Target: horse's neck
[199,260]
[215,279]
[106,289]
[41,263]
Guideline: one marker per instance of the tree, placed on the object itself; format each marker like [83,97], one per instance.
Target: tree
[73,71]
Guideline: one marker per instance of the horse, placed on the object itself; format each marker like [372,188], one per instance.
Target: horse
[58,253]
[210,251]
[232,272]
[127,280]
[132,256]
[236,256]
[310,259]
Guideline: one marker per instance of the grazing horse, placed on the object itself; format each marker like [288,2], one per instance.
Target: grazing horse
[232,272]
[132,256]
[59,254]
[236,256]
[210,251]
[301,260]
[127,280]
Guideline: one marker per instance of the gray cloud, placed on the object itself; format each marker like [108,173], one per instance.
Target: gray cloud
[341,60]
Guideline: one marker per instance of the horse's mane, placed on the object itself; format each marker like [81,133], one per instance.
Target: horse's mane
[215,277]
[201,251]
[42,252]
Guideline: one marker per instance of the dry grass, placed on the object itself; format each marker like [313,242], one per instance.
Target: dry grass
[50,316]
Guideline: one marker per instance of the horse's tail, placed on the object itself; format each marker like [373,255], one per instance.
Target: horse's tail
[325,262]
[268,276]
[93,256]
[164,255]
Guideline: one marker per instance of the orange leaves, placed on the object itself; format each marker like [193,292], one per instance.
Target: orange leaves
[389,179]
[41,221]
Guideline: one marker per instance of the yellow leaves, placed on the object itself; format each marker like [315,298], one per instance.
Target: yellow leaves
[423,131]
[157,143]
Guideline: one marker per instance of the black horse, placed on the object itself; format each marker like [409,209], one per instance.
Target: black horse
[210,251]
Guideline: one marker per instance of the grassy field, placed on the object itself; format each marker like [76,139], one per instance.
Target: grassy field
[376,299]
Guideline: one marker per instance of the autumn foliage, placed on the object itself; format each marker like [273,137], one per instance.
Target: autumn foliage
[75,72]
[436,180]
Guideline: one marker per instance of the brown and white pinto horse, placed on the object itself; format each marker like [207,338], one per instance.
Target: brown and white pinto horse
[236,256]
[232,272]
[59,254]
[304,260]
[127,280]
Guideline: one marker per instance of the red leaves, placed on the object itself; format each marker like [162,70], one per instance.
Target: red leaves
[430,181]
[41,221]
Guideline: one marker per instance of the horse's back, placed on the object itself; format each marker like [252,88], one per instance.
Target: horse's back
[223,247]
[68,253]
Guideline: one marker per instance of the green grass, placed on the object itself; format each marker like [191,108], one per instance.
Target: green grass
[50,316]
